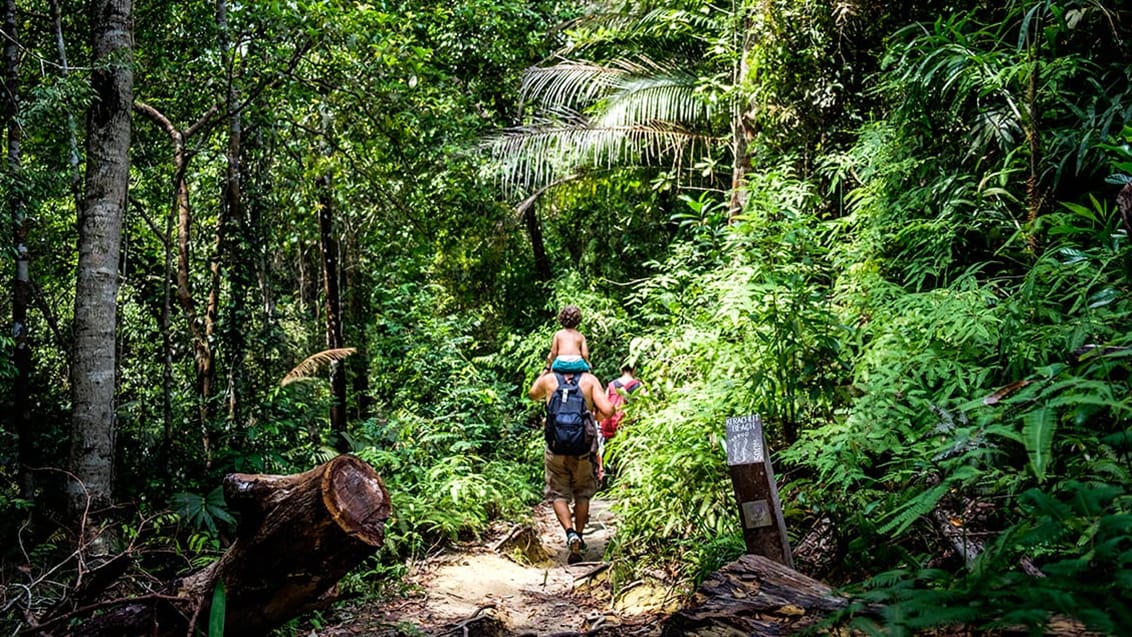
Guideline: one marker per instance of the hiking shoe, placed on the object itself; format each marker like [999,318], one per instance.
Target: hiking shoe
[577,546]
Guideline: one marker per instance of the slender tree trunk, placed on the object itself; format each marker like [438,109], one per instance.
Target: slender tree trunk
[181,212]
[356,312]
[100,235]
[242,268]
[21,285]
[72,129]
[538,248]
[741,131]
[165,459]
[239,256]
[229,206]
[328,242]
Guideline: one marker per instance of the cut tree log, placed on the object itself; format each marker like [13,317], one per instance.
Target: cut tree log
[297,536]
[754,595]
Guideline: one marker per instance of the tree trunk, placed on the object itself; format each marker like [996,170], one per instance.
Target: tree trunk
[21,286]
[357,313]
[229,206]
[232,212]
[340,507]
[297,536]
[72,133]
[741,131]
[328,242]
[534,232]
[100,234]
[330,249]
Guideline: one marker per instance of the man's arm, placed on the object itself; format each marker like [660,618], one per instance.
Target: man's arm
[541,388]
[602,407]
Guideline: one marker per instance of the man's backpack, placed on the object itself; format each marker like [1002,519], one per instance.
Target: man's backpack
[569,425]
[617,400]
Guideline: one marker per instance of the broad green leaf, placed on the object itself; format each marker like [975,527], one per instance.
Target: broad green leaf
[1037,434]
[1102,298]
[219,610]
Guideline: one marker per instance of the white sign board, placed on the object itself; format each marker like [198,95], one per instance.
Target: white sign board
[745,440]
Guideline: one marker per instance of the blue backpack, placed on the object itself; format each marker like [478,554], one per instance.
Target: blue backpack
[569,426]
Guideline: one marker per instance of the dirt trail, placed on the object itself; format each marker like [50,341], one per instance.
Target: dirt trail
[516,582]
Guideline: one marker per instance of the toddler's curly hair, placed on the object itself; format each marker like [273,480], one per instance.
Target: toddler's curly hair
[570,316]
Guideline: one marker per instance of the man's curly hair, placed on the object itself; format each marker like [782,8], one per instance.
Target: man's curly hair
[570,316]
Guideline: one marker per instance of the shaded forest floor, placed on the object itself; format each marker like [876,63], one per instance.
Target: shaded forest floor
[516,581]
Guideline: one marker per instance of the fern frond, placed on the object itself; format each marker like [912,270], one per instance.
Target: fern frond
[313,363]
[919,506]
[914,509]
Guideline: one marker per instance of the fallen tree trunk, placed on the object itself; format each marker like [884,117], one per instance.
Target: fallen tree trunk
[297,536]
[754,596]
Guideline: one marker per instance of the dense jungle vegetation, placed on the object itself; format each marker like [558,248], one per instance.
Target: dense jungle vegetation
[891,229]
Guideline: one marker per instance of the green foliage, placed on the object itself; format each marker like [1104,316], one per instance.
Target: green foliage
[754,335]
[451,447]
[924,297]
[948,177]
[203,511]
[217,611]
[634,104]
[1001,395]
[996,594]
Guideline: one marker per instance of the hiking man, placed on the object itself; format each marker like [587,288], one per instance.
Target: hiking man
[569,459]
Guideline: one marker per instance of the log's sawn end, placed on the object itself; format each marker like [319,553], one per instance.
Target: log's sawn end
[356,498]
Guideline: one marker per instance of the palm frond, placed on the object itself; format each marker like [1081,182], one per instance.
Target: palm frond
[576,86]
[661,29]
[623,113]
[313,363]
[531,158]
[567,84]
[655,98]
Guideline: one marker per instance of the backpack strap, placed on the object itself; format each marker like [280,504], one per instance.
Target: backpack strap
[563,386]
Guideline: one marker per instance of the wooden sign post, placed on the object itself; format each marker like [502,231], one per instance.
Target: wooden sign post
[764,529]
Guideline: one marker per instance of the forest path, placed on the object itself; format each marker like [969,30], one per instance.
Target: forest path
[515,581]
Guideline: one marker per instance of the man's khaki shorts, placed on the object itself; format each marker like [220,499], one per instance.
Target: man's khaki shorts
[569,477]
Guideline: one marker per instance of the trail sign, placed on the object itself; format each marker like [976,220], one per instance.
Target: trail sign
[764,529]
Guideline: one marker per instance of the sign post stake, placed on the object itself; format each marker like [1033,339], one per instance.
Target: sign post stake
[764,529]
